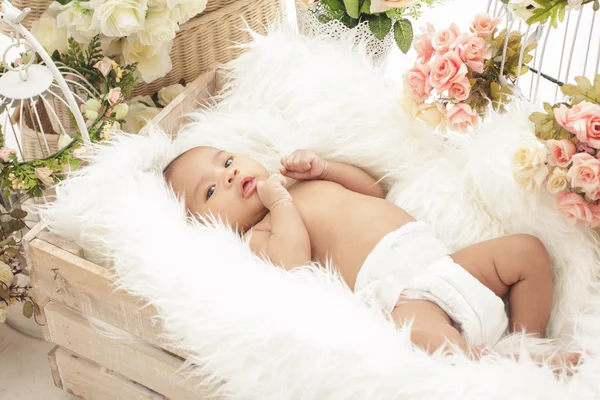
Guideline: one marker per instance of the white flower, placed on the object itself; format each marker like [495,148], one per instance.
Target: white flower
[153,61]
[159,27]
[50,35]
[530,165]
[3,312]
[157,3]
[558,180]
[79,22]
[184,10]
[574,4]
[523,9]
[167,94]
[121,110]
[119,18]
[138,117]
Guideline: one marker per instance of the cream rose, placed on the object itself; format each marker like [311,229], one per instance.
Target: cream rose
[184,10]
[378,6]
[77,20]
[6,275]
[138,116]
[530,156]
[558,180]
[167,94]
[159,27]
[434,115]
[531,178]
[484,25]
[119,18]
[153,61]
[50,35]
[44,174]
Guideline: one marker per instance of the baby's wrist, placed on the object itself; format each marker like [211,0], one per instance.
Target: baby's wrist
[279,203]
[323,175]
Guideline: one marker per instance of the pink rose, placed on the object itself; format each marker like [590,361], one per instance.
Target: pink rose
[446,69]
[484,25]
[473,50]
[574,207]
[584,148]
[104,66]
[561,152]
[442,40]
[114,96]
[460,89]
[5,153]
[378,6]
[595,209]
[585,174]
[461,117]
[562,115]
[422,44]
[416,82]
[584,122]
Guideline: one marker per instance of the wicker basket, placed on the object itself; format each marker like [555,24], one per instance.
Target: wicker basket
[38,7]
[211,38]
[32,140]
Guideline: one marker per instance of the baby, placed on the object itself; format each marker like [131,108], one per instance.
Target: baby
[337,211]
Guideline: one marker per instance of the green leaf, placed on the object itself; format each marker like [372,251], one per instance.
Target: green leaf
[403,34]
[334,8]
[4,292]
[583,91]
[352,8]
[380,25]
[18,213]
[63,2]
[365,7]
[28,309]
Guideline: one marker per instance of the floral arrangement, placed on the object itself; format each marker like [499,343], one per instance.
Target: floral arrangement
[540,11]
[458,74]
[12,264]
[383,16]
[141,30]
[144,108]
[566,160]
[113,81]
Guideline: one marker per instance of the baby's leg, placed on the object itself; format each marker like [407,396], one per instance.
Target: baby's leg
[431,326]
[519,265]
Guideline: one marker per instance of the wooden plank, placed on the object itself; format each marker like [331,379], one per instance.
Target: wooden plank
[89,381]
[197,93]
[88,288]
[121,352]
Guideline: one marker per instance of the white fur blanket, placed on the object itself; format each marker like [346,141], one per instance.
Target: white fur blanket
[271,334]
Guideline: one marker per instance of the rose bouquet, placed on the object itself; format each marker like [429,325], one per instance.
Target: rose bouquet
[382,16]
[459,75]
[141,30]
[566,159]
[540,11]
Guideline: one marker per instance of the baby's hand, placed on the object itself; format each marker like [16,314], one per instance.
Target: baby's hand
[272,191]
[304,165]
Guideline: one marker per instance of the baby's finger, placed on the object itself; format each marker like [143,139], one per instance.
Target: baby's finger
[283,170]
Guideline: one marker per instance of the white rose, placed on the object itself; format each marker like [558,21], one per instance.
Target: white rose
[159,27]
[167,94]
[50,35]
[6,274]
[157,3]
[138,117]
[153,61]
[3,312]
[184,10]
[530,156]
[434,115]
[378,6]
[531,178]
[558,180]
[119,18]
[77,20]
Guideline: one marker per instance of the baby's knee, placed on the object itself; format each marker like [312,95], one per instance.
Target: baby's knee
[533,253]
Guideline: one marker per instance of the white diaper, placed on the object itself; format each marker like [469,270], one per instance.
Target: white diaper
[412,262]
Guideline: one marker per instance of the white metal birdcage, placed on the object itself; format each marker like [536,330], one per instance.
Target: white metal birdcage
[39,99]
[571,49]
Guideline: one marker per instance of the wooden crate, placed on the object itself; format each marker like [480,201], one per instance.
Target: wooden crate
[79,305]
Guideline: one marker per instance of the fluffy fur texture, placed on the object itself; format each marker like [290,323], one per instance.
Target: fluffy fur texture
[272,334]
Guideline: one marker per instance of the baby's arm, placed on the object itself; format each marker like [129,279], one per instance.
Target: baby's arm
[287,243]
[306,165]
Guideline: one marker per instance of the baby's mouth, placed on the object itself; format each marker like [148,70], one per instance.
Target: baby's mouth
[248,185]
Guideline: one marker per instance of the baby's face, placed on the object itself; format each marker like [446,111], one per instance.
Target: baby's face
[221,183]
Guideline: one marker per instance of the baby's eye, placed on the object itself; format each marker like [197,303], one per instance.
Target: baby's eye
[210,192]
[228,162]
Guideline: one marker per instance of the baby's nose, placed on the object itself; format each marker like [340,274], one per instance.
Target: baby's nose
[231,176]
